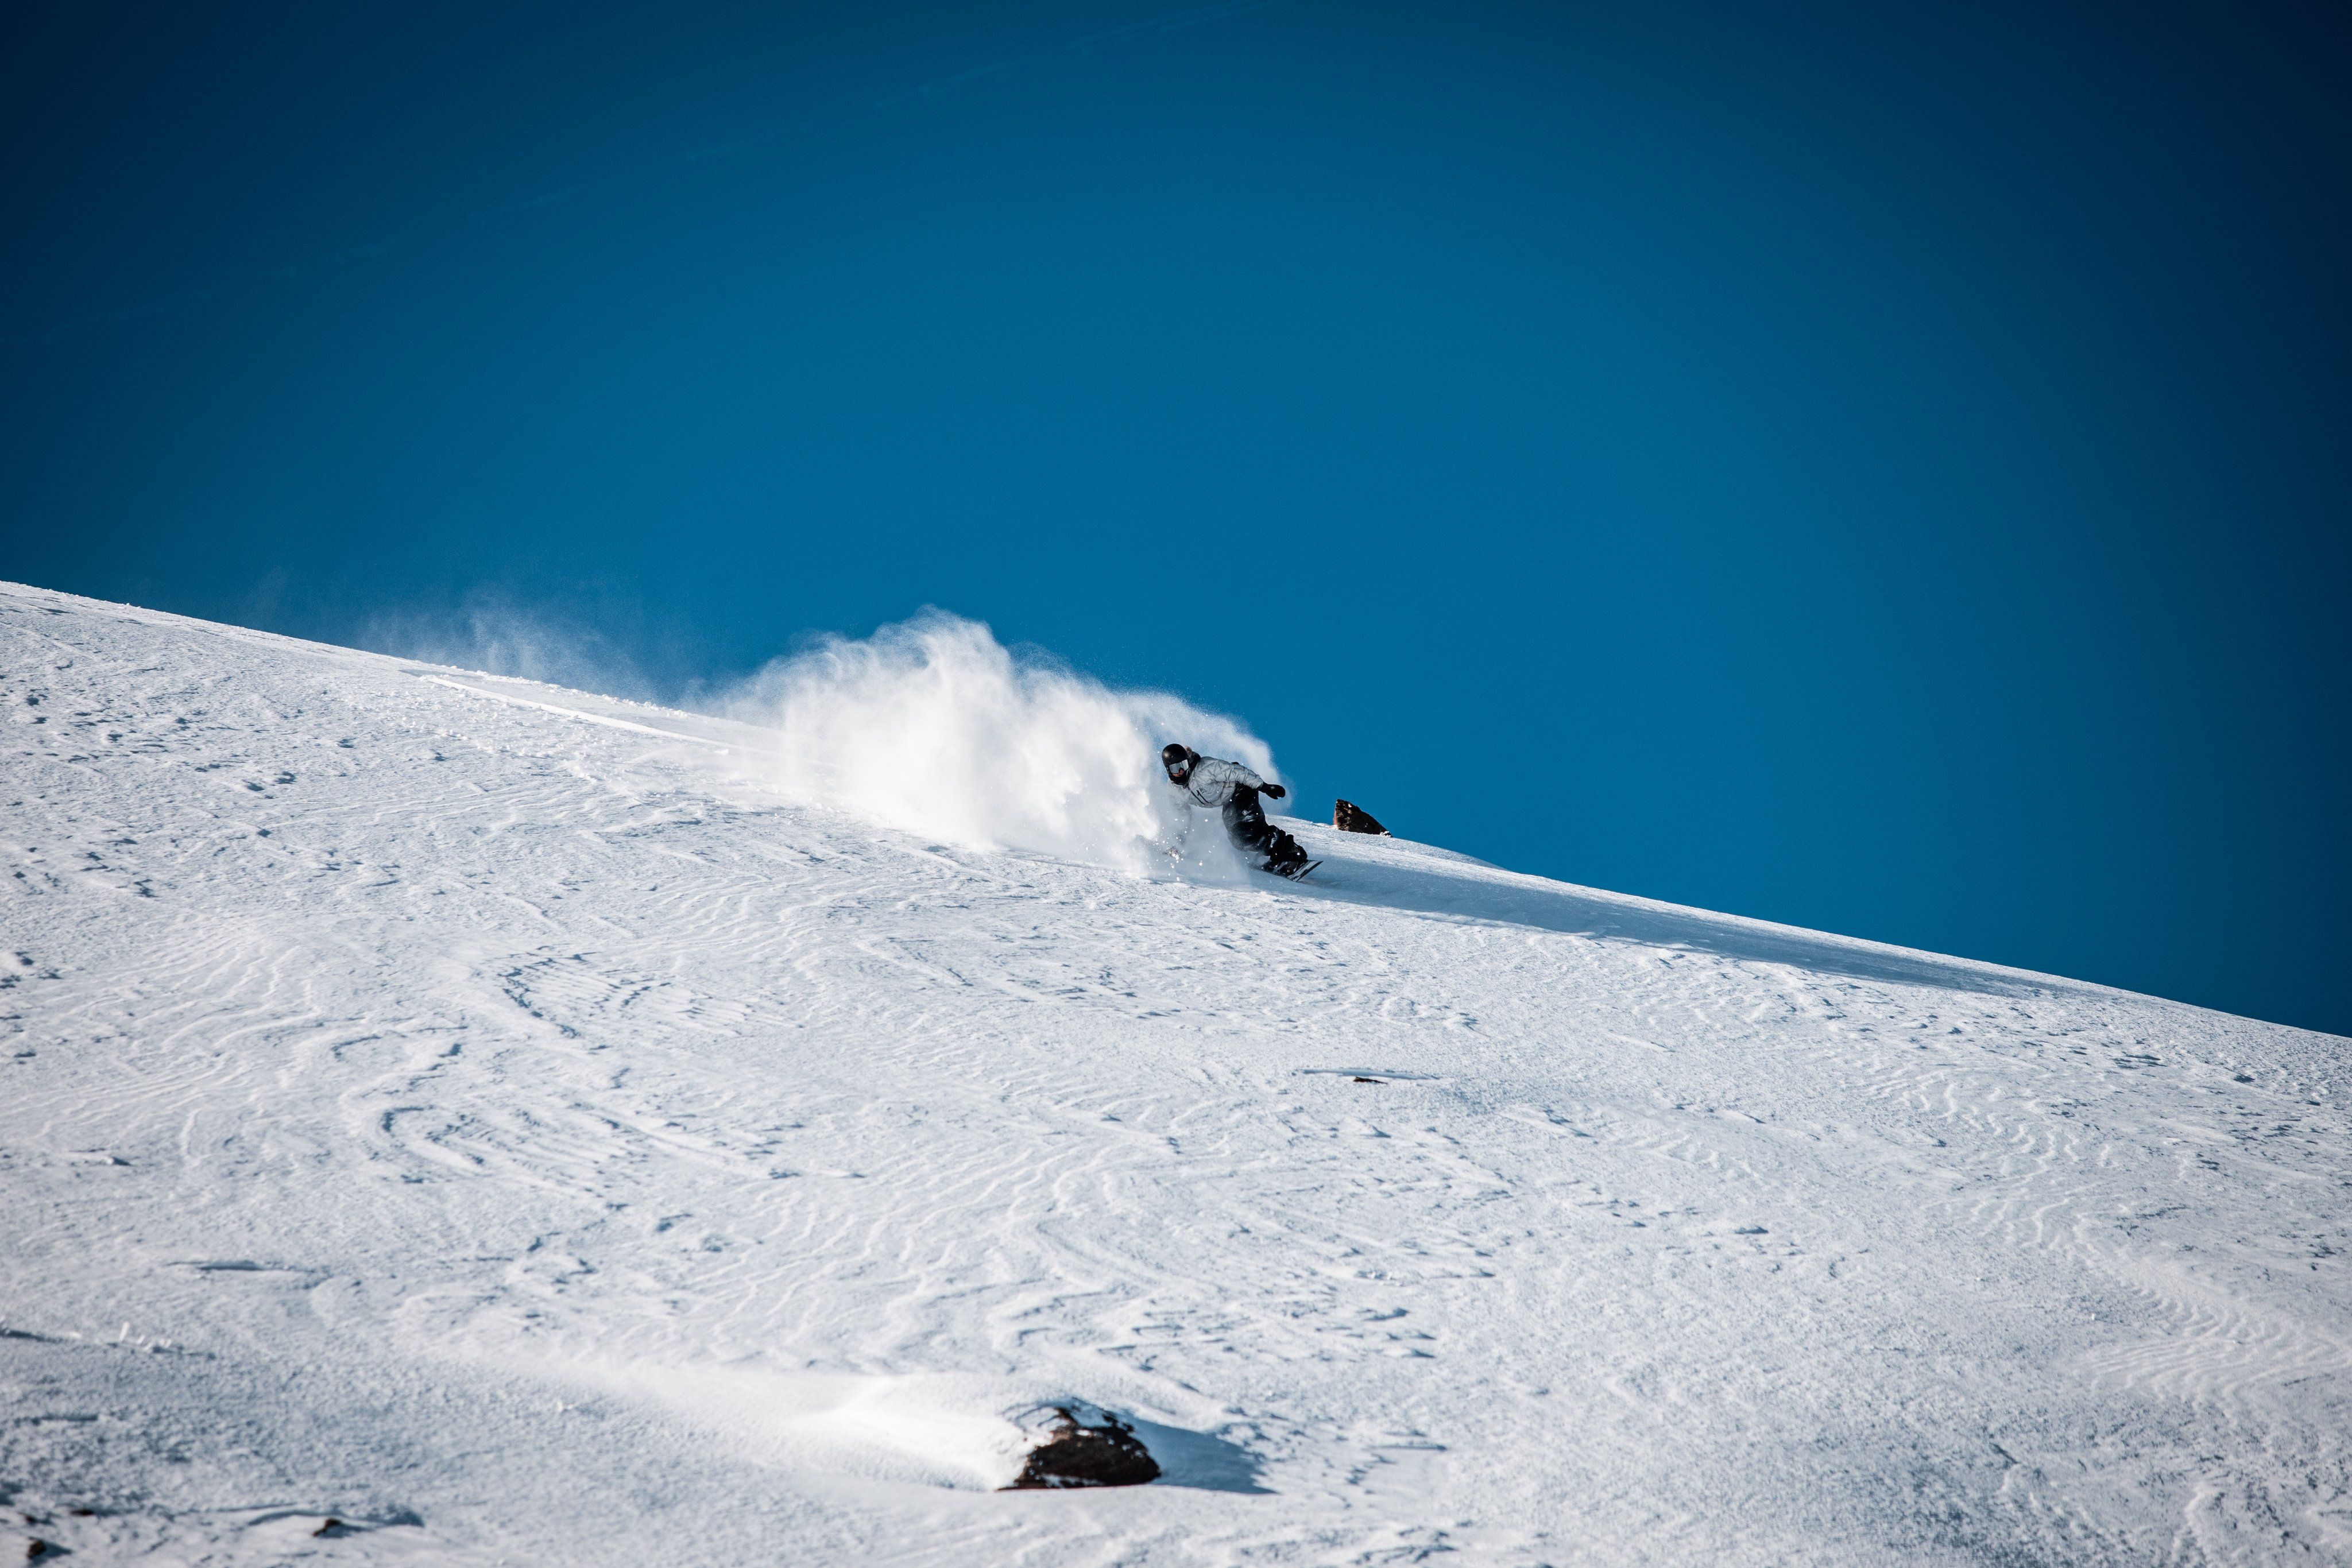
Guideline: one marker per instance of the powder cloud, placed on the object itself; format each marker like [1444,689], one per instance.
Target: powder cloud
[933,726]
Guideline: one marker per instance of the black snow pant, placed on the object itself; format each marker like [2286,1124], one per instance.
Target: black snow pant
[1252,834]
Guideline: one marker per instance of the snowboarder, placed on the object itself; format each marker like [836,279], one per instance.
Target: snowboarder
[1229,787]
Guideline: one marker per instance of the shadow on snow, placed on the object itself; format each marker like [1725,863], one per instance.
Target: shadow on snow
[1397,876]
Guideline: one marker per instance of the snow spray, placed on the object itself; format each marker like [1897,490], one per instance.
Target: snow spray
[932,726]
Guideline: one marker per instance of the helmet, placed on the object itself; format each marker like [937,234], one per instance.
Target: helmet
[1175,757]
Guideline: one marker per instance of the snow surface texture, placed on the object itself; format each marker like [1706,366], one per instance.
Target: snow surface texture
[520,1126]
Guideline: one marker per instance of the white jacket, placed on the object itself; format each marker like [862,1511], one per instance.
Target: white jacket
[1212,781]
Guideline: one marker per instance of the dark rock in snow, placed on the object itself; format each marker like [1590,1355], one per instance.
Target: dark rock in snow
[1077,1455]
[1351,818]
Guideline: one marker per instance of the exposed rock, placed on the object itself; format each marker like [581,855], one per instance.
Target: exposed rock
[1351,818]
[1077,1455]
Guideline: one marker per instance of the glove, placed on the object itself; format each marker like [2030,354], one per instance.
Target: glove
[1276,791]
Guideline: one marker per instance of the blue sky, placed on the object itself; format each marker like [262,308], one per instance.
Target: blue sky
[1880,472]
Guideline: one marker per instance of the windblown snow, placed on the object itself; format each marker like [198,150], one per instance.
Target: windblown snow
[524,1126]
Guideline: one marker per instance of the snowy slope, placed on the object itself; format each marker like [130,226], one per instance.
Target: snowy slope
[496,1118]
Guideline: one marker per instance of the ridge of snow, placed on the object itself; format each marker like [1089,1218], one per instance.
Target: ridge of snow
[512,1124]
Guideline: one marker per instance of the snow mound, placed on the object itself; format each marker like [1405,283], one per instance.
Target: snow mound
[517,1125]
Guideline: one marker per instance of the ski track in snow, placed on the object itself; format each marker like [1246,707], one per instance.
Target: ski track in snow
[488,1116]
